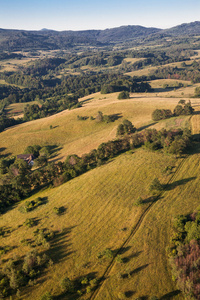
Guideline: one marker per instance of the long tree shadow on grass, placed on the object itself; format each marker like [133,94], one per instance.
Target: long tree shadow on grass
[129,294]
[146,126]
[151,199]
[133,255]
[171,186]
[170,295]
[135,271]
[54,150]
[86,100]
[60,245]
[121,250]
[4,155]
[115,117]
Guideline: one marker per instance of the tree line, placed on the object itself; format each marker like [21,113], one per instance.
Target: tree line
[182,108]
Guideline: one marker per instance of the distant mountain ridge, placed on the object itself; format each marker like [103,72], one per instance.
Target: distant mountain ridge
[13,40]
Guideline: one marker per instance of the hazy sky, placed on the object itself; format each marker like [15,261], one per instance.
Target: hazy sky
[95,14]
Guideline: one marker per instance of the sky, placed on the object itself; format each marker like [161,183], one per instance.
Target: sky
[94,14]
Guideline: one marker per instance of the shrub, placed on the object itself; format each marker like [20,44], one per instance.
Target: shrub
[99,117]
[29,223]
[160,114]
[119,259]
[123,95]
[88,289]
[46,296]
[31,205]
[67,285]
[125,128]
[106,253]
[156,186]
[59,210]
[138,201]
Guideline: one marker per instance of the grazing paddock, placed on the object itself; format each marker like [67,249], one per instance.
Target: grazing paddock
[75,136]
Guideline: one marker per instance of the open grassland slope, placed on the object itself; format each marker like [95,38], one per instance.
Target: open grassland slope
[147,273]
[99,214]
[77,136]
[98,208]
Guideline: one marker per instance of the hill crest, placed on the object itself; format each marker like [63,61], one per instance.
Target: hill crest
[45,39]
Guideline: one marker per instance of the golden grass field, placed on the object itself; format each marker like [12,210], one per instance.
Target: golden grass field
[99,204]
[80,137]
[10,65]
[149,263]
[100,211]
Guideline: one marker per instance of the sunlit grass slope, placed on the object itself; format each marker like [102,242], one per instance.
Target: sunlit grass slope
[147,273]
[100,214]
[75,136]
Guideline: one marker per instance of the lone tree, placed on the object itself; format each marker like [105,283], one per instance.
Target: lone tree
[124,95]
[99,117]
[161,114]
[125,128]
[156,186]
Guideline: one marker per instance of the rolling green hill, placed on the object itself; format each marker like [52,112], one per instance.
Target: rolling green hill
[16,40]
[100,231]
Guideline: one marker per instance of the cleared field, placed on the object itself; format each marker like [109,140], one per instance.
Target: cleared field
[195,121]
[12,64]
[75,136]
[99,214]
[17,109]
[133,60]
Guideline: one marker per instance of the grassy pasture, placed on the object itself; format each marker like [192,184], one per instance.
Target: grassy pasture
[17,109]
[80,137]
[99,210]
[12,64]
[149,264]
[99,214]
[132,60]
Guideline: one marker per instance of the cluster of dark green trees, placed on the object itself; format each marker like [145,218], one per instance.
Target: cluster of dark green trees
[184,253]
[10,55]
[22,80]
[50,107]
[186,72]
[126,84]
[43,66]
[126,127]
[182,108]
[6,122]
